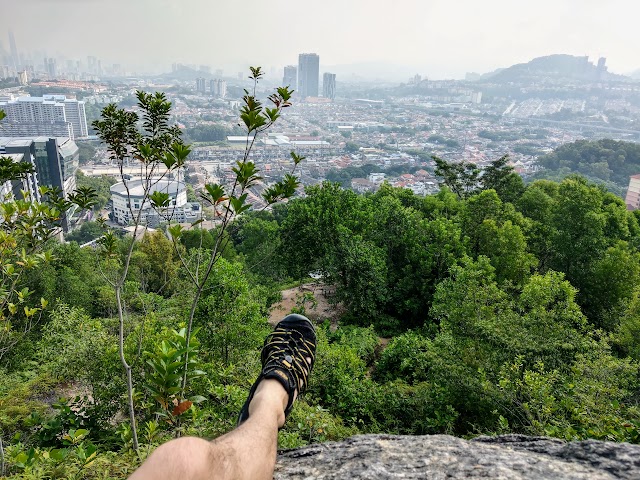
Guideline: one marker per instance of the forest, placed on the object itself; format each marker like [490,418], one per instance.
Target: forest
[606,161]
[491,307]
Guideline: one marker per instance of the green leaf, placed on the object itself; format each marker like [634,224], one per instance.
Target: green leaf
[160,199]
[296,158]
[214,193]
[176,231]
[58,454]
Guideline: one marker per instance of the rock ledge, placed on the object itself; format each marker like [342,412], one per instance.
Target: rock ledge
[437,457]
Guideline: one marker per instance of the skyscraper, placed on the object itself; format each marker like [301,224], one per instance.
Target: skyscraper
[200,85]
[290,77]
[50,66]
[15,60]
[218,88]
[308,74]
[329,85]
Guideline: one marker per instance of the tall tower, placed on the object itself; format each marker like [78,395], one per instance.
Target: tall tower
[308,74]
[50,66]
[15,60]
[290,76]
[329,85]
[200,85]
[602,68]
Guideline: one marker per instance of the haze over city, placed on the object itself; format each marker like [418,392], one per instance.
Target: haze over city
[371,38]
[409,228]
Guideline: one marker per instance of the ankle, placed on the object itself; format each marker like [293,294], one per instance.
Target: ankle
[270,399]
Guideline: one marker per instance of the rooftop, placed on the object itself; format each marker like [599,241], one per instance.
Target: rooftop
[26,141]
[136,188]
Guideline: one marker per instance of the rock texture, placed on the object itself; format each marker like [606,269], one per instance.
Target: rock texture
[436,457]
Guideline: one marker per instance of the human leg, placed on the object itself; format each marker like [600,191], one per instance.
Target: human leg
[249,451]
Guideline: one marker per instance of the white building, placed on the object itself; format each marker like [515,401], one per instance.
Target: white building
[633,193]
[50,115]
[377,177]
[218,88]
[23,79]
[129,198]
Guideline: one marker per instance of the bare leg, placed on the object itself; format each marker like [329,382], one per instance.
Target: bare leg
[248,452]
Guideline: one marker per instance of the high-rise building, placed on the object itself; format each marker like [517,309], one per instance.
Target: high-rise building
[15,59]
[218,88]
[50,66]
[55,160]
[308,74]
[23,78]
[50,115]
[602,63]
[93,65]
[200,85]
[290,78]
[602,68]
[329,85]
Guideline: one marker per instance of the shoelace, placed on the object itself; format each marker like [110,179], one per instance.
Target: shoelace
[289,348]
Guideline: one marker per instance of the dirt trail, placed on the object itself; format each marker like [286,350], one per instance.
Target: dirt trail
[319,312]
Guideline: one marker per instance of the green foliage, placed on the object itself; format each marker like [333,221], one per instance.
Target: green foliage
[511,310]
[157,264]
[19,393]
[164,380]
[69,344]
[88,231]
[363,340]
[70,423]
[210,133]
[602,159]
[230,316]
[406,357]
[27,227]
[350,147]
[309,424]
[87,152]
[461,178]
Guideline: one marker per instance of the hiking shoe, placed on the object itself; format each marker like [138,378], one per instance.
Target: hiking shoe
[284,358]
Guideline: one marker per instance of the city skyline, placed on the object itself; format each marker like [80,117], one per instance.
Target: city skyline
[440,40]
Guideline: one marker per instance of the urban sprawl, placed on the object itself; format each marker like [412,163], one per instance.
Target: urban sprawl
[361,132]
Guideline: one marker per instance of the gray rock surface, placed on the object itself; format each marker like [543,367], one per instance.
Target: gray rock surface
[436,457]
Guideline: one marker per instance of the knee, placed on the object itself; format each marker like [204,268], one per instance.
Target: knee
[186,457]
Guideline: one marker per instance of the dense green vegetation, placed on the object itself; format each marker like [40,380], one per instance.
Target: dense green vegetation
[503,307]
[210,133]
[504,317]
[449,142]
[100,185]
[85,233]
[343,176]
[609,161]
[87,152]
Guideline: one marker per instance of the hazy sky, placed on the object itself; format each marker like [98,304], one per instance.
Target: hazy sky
[438,38]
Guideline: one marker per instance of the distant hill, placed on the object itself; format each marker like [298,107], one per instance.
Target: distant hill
[608,161]
[635,75]
[552,67]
